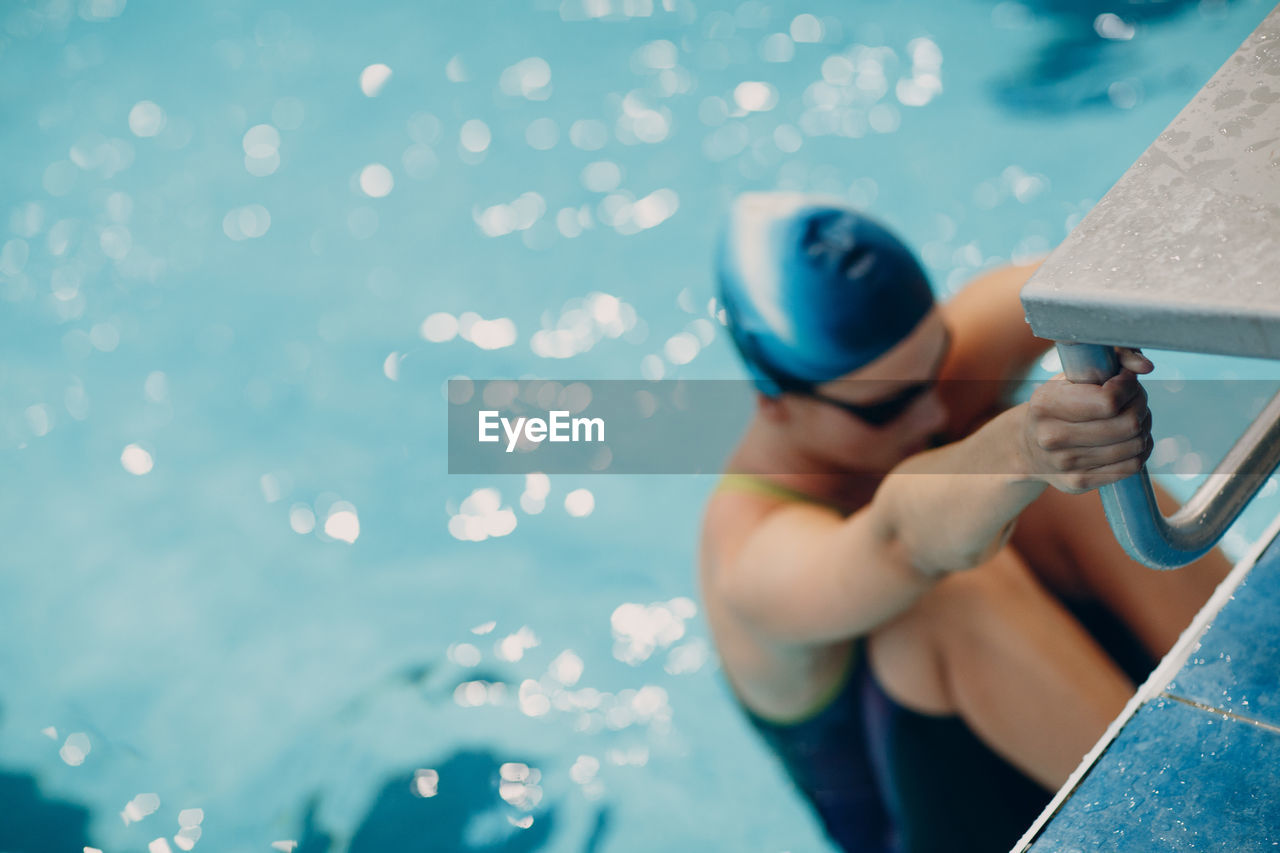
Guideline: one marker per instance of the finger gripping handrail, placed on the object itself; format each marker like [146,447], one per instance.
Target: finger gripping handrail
[1174,541]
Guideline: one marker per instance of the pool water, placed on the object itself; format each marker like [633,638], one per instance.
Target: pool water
[243,248]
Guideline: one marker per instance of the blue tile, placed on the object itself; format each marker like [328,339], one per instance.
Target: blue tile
[1176,778]
[1237,666]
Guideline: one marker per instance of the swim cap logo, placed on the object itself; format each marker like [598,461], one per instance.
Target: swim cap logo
[835,242]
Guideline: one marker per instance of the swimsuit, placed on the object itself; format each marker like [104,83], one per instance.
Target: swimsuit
[886,779]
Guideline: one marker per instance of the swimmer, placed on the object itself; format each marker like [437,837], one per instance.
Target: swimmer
[929,653]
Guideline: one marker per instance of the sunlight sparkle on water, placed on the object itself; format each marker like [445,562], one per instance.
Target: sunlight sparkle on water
[139,807]
[464,654]
[342,522]
[136,460]
[302,518]
[482,516]
[519,785]
[584,769]
[681,348]
[513,646]
[475,136]
[104,337]
[777,47]
[115,241]
[426,783]
[473,694]
[187,836]
[261,140]
[658,54]
[639,629]
[1112,27]
[419,161]
[261,150]
[391,366]
[247,222]
[687,658]
[579,503]
[439,327]
[755,96]
[601,176]
[534,497]
[101,10]
[373,78]
[486,334]
[588,134]
[456,71]
[652,368]
[806,29]
[533,702]
[566,668]
[376,180]
[530,78]
[38,419]
[146,119]
[926,69]
[641,123]
[156,386]
[542,134]
[75,749]
[654,209]
[581,324]
[501,219]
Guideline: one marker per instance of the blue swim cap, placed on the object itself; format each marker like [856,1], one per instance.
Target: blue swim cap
[812,289]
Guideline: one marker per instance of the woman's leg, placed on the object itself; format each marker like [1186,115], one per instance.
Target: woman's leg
[993,646]
[1067,543]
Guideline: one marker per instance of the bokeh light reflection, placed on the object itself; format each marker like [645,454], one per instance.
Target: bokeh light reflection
[75,749]
[426,783]
[481,516]
[373,78]
[140,807]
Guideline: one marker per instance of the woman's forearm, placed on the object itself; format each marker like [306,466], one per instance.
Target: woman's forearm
[951,508]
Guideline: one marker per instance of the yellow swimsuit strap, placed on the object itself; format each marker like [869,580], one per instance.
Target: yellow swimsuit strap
[756,484]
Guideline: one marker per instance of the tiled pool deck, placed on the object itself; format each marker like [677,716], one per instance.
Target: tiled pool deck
[1194,762]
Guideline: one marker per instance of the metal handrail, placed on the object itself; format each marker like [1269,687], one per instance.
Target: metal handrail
[1170,542]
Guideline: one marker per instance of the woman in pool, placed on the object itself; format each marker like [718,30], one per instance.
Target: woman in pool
[929,652]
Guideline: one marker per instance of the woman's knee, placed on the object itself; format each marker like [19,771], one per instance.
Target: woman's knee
[991,603]
[917,657]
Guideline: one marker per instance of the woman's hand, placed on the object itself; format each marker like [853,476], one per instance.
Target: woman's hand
[1077,437]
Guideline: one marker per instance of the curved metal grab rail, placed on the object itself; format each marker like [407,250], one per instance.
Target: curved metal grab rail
[1146,534]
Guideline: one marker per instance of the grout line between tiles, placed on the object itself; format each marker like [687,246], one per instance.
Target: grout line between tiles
[1271,727]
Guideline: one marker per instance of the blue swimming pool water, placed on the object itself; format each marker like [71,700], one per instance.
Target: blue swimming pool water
[214,371]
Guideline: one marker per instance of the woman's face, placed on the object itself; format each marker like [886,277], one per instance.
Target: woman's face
[848,442]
